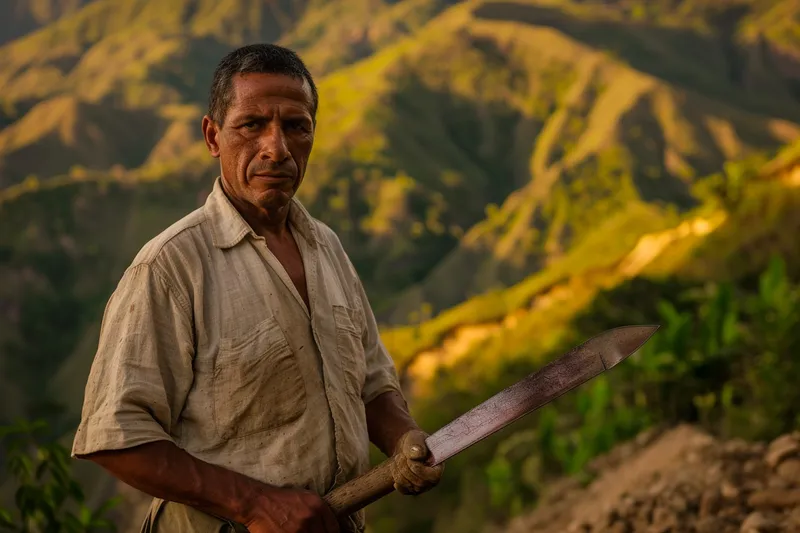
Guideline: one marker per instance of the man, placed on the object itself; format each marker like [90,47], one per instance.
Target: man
[239,374]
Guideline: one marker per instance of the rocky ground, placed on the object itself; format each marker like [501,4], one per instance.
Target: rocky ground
[679,481]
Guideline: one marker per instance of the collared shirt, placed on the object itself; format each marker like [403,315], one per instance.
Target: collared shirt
[207,343]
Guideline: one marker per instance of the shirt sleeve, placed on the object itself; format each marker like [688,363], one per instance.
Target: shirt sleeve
[142,371]
[381,372]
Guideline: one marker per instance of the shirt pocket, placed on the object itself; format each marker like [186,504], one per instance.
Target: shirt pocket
[257,383]
[350,347]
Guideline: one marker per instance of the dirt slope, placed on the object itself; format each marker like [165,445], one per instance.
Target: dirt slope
[679,481]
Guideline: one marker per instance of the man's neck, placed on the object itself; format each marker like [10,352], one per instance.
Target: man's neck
[270,224]
[267,224]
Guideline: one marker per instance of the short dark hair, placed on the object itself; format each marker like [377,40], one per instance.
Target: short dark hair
[262,58]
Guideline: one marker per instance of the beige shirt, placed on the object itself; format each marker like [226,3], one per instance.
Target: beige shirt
[207,343]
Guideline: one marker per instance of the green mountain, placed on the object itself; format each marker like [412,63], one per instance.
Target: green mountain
[18,17]
[499,135]
[497,165]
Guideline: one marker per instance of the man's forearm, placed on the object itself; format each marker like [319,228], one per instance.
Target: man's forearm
[388,419]
[165,471]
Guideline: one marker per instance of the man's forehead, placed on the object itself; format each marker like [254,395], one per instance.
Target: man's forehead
[252,89]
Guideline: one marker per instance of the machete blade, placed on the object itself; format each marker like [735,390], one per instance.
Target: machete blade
[574,368]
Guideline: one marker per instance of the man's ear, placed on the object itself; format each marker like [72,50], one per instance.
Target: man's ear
[210,133]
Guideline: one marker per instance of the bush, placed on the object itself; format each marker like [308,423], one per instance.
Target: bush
[48,499]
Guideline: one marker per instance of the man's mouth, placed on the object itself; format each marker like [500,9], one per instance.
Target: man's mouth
[273,178]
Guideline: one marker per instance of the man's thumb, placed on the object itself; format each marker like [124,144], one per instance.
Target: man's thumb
[415,446]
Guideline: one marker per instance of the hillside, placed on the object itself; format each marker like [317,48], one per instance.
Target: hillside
[75,133]
[144,55]
[710,242]
[509,177]
[517,138]
[18,17]
[525,99]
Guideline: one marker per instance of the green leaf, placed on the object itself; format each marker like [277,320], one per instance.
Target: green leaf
[28,499]
[71,524]
[20,466]
[6,520]
[85,515]
[108,505]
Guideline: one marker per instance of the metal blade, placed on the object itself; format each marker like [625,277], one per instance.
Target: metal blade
[574,368]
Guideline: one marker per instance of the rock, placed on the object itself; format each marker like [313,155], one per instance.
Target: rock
[728,491]
[752,485]
[621,527]
[709,524]
[737,448]
[663,521]
[759,523]
[782,448]
[710,503]
[789,470]
[579,527]
[793,520]
[774,498]
[752,466]
[777,482]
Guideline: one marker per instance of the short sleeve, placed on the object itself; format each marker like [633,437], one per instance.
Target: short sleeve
[381,372]
[142,371]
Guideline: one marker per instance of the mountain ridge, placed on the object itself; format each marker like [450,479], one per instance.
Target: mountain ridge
[491,167]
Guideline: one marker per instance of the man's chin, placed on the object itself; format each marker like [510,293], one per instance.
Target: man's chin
[273,200]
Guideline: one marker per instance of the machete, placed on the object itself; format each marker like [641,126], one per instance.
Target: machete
[574,368]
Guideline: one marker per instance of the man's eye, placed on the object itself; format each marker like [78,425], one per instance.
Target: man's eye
[298,126]
[250,125]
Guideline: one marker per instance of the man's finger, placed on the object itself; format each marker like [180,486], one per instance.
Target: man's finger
[413,482]
[404,468]
[404,487]
[399,480]
[424,472]
[405,481]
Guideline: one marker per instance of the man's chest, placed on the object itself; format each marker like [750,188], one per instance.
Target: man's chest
[286,252]
[241,288]
[263,360]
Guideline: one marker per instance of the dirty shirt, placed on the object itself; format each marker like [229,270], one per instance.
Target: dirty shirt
[207,343]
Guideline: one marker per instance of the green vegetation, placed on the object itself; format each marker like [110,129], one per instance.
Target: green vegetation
[540,169]
[48,499]
[721,360]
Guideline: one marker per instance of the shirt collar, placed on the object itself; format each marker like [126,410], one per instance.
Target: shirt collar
[228,227]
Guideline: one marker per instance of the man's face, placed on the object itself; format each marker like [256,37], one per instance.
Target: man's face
[265,140]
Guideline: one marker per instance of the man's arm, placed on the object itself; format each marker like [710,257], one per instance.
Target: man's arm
[165,471]
[389,424]
[393,430]
[388,420]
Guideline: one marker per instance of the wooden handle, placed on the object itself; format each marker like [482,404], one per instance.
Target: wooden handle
[361,491]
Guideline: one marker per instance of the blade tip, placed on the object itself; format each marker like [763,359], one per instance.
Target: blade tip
[627,346]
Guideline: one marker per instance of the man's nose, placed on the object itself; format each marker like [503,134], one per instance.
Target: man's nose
[273,144]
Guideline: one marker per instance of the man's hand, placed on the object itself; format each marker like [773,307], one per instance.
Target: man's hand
[411,474]
[290,511]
